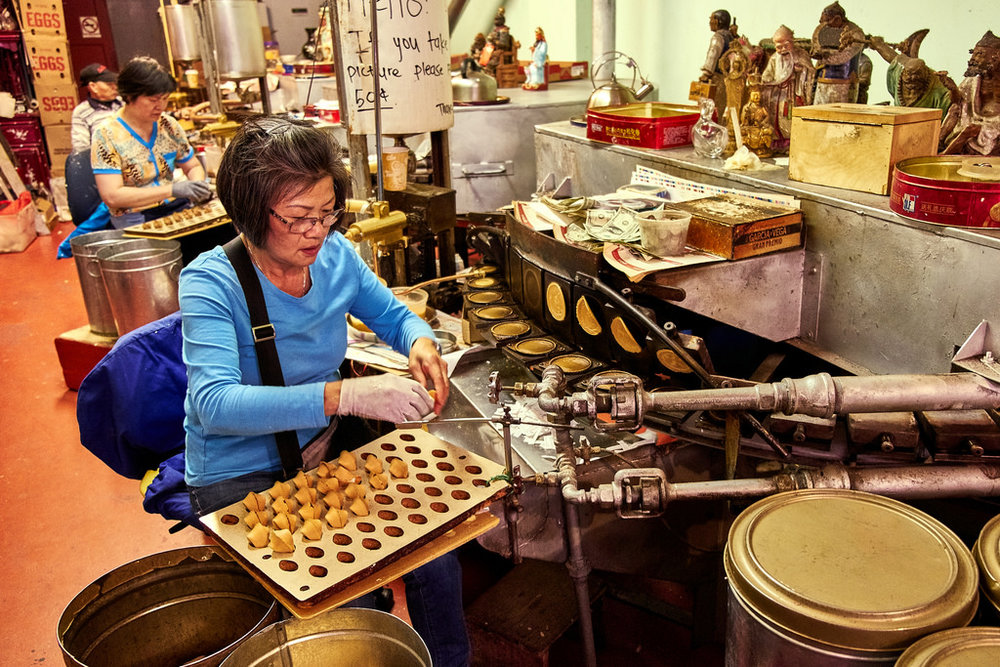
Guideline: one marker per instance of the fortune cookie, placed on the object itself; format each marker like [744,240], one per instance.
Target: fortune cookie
[373,465]
[399,469]
[333,499]
[261,518]
[284,505]
[325,469]
[281,541]
[280,490]
[312,529]
[258,535]
[347,460]
[378,481]
[354,491]
[336,518]
[359,507]
[306,495]
[255,502]
[310,511]
[302,480]
[326,485]
[344,476]
[285,522]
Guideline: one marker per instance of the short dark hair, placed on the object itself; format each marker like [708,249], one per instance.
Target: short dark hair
[270,158]
[722,16]
[144,76]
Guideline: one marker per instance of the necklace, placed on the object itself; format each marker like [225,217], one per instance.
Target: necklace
[305,269]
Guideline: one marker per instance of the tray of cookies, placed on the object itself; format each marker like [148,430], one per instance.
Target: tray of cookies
[182,223]
[316,535]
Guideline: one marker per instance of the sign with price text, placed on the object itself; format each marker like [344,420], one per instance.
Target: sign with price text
[414,62]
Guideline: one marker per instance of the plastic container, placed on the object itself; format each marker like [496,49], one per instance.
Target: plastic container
[415,300]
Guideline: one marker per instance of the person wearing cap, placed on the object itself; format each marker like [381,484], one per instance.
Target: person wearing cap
[102,102]
[135,152]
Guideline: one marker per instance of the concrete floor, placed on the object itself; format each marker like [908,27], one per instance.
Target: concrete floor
[67,518]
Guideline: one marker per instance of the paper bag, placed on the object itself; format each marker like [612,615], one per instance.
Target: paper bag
[17,223]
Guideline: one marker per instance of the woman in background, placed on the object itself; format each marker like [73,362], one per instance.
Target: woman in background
[134,153]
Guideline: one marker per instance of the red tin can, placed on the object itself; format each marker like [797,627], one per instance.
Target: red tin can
[957,190]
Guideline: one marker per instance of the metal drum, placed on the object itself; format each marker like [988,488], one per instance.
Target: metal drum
[182,31]
[352,636]
[959,647]
[957,190]
[188,607]
[233,23]
[826,577]
[140,276]
[95,295]
[986,551]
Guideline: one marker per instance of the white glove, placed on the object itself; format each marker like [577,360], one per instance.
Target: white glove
[385,397]
[195,191]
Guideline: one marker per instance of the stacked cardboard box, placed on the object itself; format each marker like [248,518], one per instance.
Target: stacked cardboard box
[43,28]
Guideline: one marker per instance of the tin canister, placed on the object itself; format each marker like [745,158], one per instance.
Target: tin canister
[826,577]
[954,190]
[958,647]
[986,551]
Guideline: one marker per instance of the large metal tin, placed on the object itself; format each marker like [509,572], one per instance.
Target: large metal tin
[189,606]
[342,637]
[838,577]
[958,647]
[238,42]
[182,31]
[931,189]
[986,551]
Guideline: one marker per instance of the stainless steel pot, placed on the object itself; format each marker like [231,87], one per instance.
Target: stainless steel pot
[472,84]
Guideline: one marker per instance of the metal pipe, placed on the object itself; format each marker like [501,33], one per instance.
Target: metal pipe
[822,395]
[575,561]
[377,92]
[603,30]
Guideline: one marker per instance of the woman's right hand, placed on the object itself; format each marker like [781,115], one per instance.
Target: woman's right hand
[195,191]
[385,397]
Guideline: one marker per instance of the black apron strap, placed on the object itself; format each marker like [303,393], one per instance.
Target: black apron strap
[267,352]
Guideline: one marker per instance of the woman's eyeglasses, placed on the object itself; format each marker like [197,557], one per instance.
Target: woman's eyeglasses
[303,225]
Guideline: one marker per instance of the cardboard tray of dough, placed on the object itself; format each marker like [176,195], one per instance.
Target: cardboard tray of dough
[434,509]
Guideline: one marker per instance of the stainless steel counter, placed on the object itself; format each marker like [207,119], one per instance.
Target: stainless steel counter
[876,291]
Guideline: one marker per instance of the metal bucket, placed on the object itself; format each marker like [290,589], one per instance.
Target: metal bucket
[188,607]
[140,276]
[351,636]
[830,577]
[95,296]
[231,21]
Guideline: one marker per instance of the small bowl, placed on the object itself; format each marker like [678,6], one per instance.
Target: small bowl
[447,340]
[415,300]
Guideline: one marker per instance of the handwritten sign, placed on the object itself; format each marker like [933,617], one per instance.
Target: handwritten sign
[414,60]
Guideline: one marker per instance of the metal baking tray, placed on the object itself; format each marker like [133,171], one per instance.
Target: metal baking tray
[446,485]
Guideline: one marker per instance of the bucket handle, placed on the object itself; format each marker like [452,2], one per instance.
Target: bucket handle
[94,269]
[175,271]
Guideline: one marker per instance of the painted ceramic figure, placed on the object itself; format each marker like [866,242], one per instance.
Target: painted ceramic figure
[537,78]
[786,83]
[836,47]
[910,81]
[500,45]
[972,126]
[755,123]
[719,23]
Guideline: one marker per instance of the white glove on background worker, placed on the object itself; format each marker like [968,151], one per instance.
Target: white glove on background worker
[385,397]
[195,191]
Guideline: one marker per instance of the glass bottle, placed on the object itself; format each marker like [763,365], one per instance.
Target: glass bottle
[709,138]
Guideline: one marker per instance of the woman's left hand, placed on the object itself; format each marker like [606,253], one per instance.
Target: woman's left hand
[430,370]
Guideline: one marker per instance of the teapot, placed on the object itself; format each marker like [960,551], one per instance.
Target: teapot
[613,93]
[472,84]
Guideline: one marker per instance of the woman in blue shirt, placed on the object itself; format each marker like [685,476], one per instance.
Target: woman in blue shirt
[284,186]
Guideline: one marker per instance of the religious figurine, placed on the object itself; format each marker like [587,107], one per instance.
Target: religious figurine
[735,65]
[972,126]
[500,48]
[787,82]
[755,123]
[719,23]
[537,77]
[910,81]
[836,47]
[478,42]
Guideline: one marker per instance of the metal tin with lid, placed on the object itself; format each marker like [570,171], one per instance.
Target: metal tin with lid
[958,647]
[986,551]
[958,190]
[835,577]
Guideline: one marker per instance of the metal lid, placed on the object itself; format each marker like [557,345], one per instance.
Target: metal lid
[510,329]
[986,551]
[573,363]
[556,301]
[485,297]
[494,312]
[534,346]
[850,569]
[958,647]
